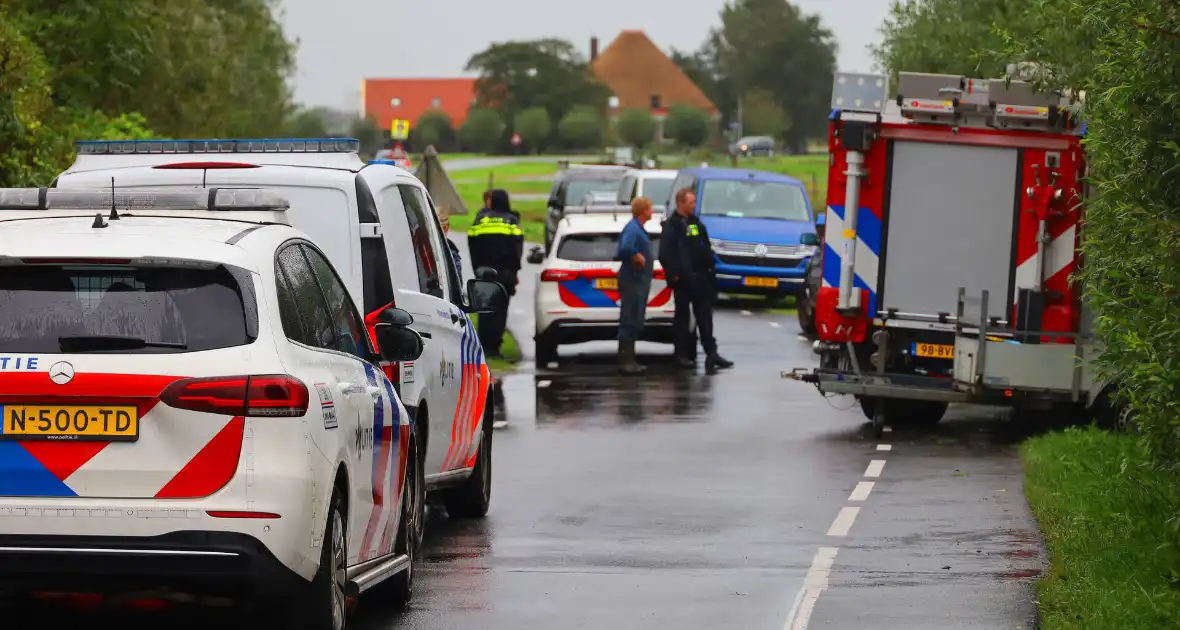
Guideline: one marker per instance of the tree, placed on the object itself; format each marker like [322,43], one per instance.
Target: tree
[772,45]
[636,127]
[705,68]
[534,126]
[434,127]
[306,123]
[548,73]
[581,128]
[482,130]
[368,133]
[762,116]
[687,125]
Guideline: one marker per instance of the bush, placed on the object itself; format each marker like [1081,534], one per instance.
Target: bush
[1105,513]
[534,127]
[688,126]
[636,127]
[434,127]
[481,130]
[581,128]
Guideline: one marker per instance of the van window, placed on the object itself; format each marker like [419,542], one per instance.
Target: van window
[627,189]
[745,199]
[128,309]
[657,189]
[442,249]
[376,281]
[429,277]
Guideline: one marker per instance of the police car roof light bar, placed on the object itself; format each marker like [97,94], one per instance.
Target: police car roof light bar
[240,145]
[207,199]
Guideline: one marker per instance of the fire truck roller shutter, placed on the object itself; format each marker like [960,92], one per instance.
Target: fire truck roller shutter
[950,223]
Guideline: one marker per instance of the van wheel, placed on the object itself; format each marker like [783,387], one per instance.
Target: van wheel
[325,607]
[473,498]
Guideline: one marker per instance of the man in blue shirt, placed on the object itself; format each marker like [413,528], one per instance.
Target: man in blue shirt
[634,282]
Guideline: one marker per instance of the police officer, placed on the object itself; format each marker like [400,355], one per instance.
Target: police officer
[687,258]
[495,241]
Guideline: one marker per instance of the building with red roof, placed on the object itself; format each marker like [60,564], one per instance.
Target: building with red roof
[387,100]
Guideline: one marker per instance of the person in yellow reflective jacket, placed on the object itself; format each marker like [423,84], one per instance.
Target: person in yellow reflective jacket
[495,242]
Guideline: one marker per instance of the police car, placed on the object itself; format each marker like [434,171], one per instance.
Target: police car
[190,401]
[577,298]
[378,226]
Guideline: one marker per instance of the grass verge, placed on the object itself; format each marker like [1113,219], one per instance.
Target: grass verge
[1109,520]
[508,349]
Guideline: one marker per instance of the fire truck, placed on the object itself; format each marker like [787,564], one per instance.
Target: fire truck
[953,224]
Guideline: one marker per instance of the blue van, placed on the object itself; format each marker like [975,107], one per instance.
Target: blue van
[761,226]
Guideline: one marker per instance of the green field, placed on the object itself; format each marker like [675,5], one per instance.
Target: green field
[525,178]
[508,349]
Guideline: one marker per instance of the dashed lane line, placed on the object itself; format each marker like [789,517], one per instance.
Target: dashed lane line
[844,521]
[814,584]
[775,325]
[816,581]
[861,491]
[875,468]
[746,313]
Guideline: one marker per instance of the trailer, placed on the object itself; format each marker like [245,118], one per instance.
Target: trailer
[953,228]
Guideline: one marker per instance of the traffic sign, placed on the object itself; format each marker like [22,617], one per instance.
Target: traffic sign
[516,140]
[399,129]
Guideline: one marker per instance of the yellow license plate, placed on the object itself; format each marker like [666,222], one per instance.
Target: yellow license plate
[934,350]
[108,423]
[770,283]
[609,284]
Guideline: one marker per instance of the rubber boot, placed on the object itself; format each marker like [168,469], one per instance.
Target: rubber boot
[715,362]
[627,363]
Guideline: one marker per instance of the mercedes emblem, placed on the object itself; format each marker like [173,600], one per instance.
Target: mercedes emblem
[61,372]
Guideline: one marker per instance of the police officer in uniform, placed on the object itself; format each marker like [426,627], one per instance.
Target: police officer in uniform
[495,241]
[687,258]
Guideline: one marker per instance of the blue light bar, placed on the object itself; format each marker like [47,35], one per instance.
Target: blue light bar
[390,162]
[241,145]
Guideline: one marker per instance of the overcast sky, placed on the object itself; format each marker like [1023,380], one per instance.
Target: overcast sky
[343,41]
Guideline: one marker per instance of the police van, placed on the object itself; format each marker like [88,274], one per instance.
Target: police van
[191,405]
[377,224]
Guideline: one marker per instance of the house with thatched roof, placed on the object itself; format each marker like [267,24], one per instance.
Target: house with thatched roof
[640,75]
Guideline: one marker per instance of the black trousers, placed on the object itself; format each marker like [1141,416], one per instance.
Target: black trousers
[698,295]
[493,325]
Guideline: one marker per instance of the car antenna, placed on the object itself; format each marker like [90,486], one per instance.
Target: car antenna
[114,213]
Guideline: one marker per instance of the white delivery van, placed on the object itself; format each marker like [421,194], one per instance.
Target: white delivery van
[378,227]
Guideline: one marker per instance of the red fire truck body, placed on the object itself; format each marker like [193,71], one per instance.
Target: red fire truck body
[949,280]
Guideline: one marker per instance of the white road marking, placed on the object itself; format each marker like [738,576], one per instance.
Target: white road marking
[875,468]
[544,383]
[815,583]
[746,313]
[844,521]
[499,424]
[884,447]
[887,429]
[776,325]
[861,491]
[802,337]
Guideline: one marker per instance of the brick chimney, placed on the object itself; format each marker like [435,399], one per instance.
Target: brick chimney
[593,48]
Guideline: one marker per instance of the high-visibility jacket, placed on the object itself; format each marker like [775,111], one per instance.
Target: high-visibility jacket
[495,240]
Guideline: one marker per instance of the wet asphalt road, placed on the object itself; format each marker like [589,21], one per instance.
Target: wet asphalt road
[735,501]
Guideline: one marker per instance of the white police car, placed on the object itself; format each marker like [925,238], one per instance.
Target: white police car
[577,298]
[190,400]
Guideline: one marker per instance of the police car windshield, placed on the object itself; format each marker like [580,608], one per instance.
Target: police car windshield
[746,199]
[594,247]
[120,308]
[576,189]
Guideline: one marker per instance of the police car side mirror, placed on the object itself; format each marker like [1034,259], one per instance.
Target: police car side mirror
[809,239]
[486,296]
[536,255]
[399,343]
[395,316]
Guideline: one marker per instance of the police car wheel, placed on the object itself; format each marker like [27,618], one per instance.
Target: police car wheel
[325,605]
[473,497]
[398,590]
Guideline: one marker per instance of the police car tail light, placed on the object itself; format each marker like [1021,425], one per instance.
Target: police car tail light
[558,275]
[267,396]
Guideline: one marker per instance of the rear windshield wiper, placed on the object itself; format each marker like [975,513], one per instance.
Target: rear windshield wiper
[112,342]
